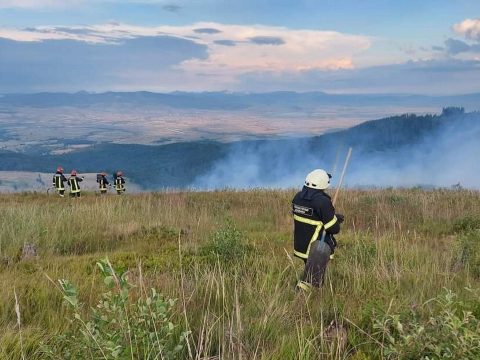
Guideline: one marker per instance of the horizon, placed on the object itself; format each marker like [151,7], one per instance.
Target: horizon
[232,92]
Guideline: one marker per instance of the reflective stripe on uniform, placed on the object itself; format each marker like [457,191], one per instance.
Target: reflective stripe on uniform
[307,221]
[59,182]
[118,184]
[304,286]
[319,225]
[300,255]
[74,186]
[331,222]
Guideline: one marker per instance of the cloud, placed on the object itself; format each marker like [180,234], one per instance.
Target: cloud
[421,77]
[37,4]
[69,30]
[225,42]
[267,40]
[212,56]
[207,31]
[469,28]
[454,47]
[299,50]
[223,48]
[172,8]
[69,65]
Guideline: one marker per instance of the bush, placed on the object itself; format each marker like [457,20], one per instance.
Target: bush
[466,224]
[470,251]
[228,245]
[118,327]
[452,331]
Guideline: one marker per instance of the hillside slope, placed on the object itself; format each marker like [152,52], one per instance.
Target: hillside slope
[227,258]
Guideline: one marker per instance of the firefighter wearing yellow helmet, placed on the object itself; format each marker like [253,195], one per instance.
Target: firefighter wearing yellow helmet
[315,223]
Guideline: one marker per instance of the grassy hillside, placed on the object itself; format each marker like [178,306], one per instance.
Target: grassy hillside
[226,258]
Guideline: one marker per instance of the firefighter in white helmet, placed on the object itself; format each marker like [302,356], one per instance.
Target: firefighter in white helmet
[315,224]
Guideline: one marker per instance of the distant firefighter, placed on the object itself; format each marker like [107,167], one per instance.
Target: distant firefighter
[315,224]
[73,182]
[102,182]
[59,181]
[120,183]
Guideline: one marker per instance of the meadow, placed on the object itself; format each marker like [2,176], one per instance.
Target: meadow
[404,283]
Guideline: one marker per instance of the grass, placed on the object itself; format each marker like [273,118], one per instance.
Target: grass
[226,257]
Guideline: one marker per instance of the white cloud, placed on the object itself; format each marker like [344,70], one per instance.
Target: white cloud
[469,28]
[291,50]
[37,4]
[167,5]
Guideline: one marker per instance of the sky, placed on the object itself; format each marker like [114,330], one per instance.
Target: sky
[427,47]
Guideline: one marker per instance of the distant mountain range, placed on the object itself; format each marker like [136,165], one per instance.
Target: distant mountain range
[399,151]
[234,101]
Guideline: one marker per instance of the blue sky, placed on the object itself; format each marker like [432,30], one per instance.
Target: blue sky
[371,46]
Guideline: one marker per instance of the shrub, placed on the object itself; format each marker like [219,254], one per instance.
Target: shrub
[466,224]
[452,331]
[118,327]
[228,244]
[470,251]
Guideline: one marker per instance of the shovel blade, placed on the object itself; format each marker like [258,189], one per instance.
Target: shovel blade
[317,262]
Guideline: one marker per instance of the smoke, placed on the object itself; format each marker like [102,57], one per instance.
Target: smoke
[445,157]
[407,151]
[263,164]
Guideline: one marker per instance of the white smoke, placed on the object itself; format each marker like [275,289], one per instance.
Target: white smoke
[446,156]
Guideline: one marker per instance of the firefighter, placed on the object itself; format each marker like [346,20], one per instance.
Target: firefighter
[315,223]
[120,183]
[73,182]
[103,182]
[59,181]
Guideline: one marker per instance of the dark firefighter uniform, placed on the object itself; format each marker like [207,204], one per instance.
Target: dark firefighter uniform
[103,183]
[59,181]
[314,219]
[120,185]
[73,182]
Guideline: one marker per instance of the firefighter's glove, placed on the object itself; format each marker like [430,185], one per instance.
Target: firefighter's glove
[340,218]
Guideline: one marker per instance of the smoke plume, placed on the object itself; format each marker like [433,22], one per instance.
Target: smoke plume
[406,151]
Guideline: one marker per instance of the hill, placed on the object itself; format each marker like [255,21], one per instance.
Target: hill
[386,147]
[405,280]
[232,100]
[171,165]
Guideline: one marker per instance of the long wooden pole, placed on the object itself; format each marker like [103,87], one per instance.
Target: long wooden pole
[342,176]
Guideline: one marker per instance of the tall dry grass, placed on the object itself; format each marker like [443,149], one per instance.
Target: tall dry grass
[398,248]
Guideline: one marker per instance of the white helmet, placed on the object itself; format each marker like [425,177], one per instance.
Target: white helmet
[318,179]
